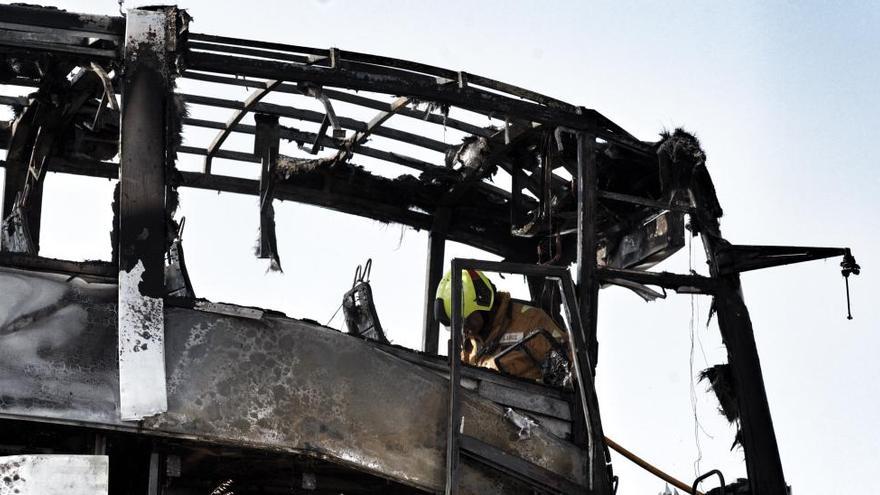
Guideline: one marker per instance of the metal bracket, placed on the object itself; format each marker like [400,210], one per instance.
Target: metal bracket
[734,258]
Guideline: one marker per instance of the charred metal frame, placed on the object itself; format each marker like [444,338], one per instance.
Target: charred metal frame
[146,95]
[461,208]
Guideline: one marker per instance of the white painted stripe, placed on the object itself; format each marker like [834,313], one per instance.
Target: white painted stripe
[142,390]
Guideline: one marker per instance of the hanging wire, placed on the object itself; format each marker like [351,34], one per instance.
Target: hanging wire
[400,240]
[121,8]
[693,390]
[334,316]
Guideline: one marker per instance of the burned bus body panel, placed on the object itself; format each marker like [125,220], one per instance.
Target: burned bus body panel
[272,382]
[367,417]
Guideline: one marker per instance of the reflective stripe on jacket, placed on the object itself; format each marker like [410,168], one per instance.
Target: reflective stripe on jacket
[512,321]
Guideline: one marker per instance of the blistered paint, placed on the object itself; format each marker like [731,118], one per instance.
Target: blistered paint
[54,475]
[141,348]
[48,356]
[277,384]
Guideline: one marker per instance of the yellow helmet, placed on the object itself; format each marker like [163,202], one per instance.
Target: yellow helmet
[478,294]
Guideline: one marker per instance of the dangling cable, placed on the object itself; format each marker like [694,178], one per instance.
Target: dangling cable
[693,390]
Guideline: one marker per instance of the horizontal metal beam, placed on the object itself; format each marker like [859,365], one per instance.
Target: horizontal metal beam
[529,270]
[688,284]
[318,117]
[60,19]
[251,52]
[292,134]
[736,258]
[350,98]
[636,200]
[334,60]
[99,269]
[227,40]
[464,97]
[461,231]
[411,67]
[67,32]
[378,79]
[238,156]
[18,41]
[519,468]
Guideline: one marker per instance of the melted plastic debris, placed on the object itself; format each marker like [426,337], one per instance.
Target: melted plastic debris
[524,423]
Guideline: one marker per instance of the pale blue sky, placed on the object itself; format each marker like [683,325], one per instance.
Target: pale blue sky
[784,97]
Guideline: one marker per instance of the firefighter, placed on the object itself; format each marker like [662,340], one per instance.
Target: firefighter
[504,334]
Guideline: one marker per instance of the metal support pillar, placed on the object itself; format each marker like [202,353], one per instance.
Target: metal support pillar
[154,474]
[18,156]
[435,256]
[588,289]
[15,177]
[763,464]
[587,281]
[145,95]
[453,428]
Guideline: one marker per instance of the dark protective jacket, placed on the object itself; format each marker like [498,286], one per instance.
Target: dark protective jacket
[511,322]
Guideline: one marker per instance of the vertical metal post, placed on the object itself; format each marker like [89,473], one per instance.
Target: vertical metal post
[763,464]
[154,474]
[266,145]
[436,252]
[588,298]
[587,283]
[586,392]
[145,96]
[454,427]
[19,151]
